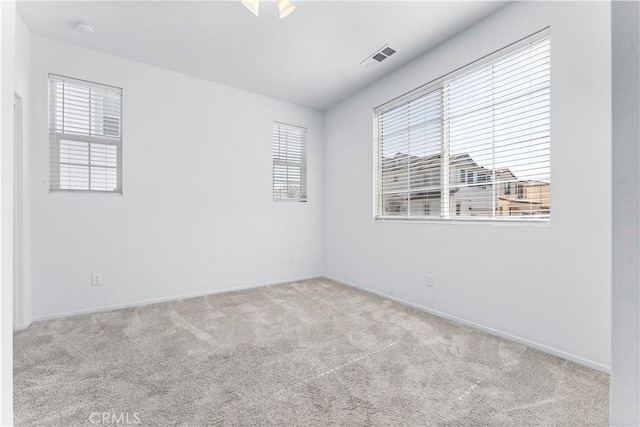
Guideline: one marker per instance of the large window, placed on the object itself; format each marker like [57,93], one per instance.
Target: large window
[85,136]
[455,148]
[289,163]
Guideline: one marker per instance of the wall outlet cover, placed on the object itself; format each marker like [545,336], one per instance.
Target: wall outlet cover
[96,279]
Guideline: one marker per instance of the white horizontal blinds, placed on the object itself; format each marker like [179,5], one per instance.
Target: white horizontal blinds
[409,153]
[289,162]
[499,119]
[85,136]
[488,125]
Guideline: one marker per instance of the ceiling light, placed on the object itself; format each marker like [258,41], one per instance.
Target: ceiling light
[253,6]
[285,8]
[86,29]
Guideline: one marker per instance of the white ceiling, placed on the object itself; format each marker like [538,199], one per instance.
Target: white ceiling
[310,58]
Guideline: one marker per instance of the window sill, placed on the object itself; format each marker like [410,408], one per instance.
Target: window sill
[540,222]
[104,193]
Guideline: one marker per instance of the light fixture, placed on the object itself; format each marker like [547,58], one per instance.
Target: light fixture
[253,6]
[84,28]
[285,8]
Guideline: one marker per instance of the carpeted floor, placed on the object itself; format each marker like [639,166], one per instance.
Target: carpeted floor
[298,354]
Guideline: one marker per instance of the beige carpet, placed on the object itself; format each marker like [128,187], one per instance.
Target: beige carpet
[306,353]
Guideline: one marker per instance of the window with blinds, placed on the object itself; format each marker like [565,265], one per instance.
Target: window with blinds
[474,144]
[289,163]
[85,136]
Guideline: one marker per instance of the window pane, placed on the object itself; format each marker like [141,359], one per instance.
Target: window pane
[75,152]
[74,177]
[104,155]
[104,179]
[410,137]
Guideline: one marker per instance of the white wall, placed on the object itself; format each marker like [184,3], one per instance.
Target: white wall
[625,363]
[7,71]
[197,214]
[23,90]
[548,286]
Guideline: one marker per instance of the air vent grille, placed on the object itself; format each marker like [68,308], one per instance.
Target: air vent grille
[378,56]
[388,51]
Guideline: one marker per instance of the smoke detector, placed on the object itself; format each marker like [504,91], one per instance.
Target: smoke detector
[378,56]
[85,29]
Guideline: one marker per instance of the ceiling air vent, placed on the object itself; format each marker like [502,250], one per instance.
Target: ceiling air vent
[378,56]
[388,51]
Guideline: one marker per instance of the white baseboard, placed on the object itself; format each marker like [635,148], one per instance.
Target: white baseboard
[546,349]
[22,327]
[163,299]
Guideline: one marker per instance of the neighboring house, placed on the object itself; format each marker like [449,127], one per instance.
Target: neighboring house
[412,186]
[531,198]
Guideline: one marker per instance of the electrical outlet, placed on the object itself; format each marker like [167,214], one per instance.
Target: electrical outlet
[429,280]
[96,279]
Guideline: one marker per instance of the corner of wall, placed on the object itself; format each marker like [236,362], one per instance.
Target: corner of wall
[625,363]
[323,265]
[23,90]
[7,71]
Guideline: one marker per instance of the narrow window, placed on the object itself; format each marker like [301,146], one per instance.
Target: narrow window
[85,136]
[289,163]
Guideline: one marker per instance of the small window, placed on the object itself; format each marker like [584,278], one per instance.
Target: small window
[507,188]
[289,163]
[85,136]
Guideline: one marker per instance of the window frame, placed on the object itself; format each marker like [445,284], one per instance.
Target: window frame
[425,89]
[55,139]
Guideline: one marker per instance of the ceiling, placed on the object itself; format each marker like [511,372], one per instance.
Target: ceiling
[310,58]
